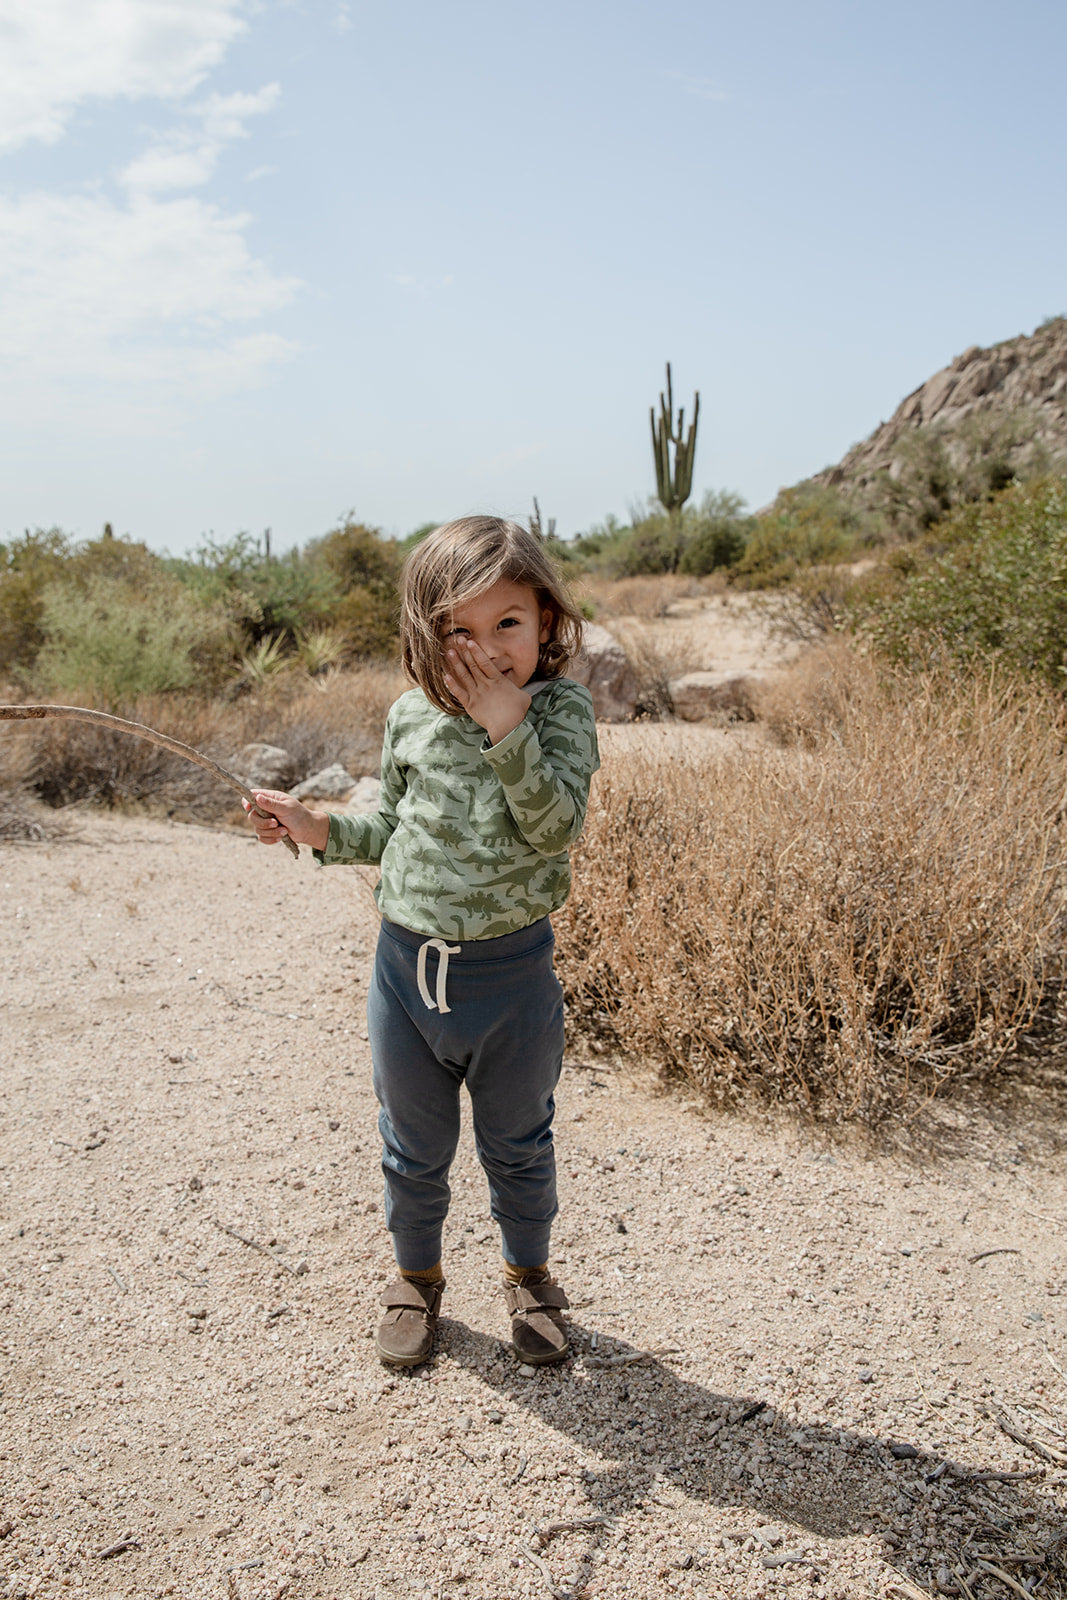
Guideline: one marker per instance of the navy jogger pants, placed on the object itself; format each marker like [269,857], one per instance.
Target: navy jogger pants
[487,1013]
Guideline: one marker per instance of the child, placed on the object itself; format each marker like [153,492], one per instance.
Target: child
[485,779]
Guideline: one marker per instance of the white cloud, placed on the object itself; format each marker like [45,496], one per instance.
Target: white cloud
[135,299]
[143,302]
[186,157]
[55,54]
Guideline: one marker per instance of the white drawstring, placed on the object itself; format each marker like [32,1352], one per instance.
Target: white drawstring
[443,952]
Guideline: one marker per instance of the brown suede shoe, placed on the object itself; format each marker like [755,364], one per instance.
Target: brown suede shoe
[405,1333]
[538,1333]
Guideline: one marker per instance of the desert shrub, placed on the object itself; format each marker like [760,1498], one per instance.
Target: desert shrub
[264,596]
[809,525]
[697,540]
[319,721]
[937,470]
[106,637]
[845,925]
[989,584]
[27,565]
[646,598]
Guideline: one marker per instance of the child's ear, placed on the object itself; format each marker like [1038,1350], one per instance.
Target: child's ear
[548,622]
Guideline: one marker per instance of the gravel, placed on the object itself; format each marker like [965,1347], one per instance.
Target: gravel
[787,1368]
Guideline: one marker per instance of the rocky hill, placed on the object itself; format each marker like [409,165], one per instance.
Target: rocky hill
[1022,382]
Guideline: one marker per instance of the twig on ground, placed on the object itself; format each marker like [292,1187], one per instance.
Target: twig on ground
[1053,1363]
[1001,1250]
[922,1391]
[1027,1440]
[998,1477]
[254,1244]
[519,1470]
[550,1530]
[1004,1577]
[542,1567]
[910,1591]
[634,1355]
[111,1271]
[117,1549]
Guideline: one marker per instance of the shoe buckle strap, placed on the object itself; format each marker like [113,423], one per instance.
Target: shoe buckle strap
[542,1297]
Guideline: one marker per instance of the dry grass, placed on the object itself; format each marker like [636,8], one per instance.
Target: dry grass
[646,598]
[336,718]
[848,924]
[658,653]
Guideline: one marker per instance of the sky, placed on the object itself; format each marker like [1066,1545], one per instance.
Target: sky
[267,263]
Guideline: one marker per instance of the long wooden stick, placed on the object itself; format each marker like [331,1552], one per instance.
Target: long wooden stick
[104,719]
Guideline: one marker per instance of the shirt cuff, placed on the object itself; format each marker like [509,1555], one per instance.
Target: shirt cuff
[510,756]
[335,847]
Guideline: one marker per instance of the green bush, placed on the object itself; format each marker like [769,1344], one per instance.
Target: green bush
[107,639]
[989,583]
[808,525]
[27,565]
[696,540]
[936,471]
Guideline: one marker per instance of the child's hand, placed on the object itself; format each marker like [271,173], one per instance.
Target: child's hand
[495,703]
[287,816]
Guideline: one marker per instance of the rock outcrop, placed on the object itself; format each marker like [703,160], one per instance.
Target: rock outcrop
[1027,374]
[604,667]
[704,696]
[332,783]
[264,766]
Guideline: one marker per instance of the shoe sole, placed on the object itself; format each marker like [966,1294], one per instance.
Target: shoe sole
[542,1361]
[401,1361]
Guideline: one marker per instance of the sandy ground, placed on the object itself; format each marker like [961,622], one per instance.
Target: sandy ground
[191,1247]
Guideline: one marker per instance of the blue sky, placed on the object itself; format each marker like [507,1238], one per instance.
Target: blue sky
[265,263]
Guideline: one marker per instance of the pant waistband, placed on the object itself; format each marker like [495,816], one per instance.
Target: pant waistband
[505,947]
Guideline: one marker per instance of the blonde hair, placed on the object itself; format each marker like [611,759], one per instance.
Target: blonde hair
[457,563]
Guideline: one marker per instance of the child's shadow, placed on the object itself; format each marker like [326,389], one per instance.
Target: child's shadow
[640,1423]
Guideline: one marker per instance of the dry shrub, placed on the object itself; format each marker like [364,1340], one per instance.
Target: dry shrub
[845,926]
[646,598]
[658,654]
[337,718]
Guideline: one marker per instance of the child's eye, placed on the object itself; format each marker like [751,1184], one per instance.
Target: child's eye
[456,633]
[509,622]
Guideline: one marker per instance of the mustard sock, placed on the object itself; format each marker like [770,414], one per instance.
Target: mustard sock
[430,1276]
[521,1275]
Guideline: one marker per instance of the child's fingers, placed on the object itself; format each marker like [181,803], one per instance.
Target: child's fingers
[480,662]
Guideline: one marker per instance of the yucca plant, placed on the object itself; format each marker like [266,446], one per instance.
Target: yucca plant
[264,661]
[320,649]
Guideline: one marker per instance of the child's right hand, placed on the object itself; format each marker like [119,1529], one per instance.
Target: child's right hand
[286,816]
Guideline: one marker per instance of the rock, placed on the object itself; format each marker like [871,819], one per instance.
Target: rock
[604,668]
[699,695]
[264,766]
[332,783]
[364,797]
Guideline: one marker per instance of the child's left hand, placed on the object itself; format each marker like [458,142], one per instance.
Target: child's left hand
[495,703]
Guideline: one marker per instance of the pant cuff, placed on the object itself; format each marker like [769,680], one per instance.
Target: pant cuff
[417,1252]
[525,1247]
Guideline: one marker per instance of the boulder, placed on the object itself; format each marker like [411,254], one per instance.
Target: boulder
[332,783]
[605,670]
[264,766]
[364,797]
[699,696]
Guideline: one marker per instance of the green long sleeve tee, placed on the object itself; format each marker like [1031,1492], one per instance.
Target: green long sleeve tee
[473,837]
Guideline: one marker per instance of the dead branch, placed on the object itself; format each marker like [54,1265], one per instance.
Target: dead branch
[104,719]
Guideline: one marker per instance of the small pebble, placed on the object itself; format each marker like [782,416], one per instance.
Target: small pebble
[526,1371]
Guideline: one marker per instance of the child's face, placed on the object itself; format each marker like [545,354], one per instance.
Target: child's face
[509,625]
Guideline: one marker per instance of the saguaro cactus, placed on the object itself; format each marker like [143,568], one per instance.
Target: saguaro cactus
[674,483]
